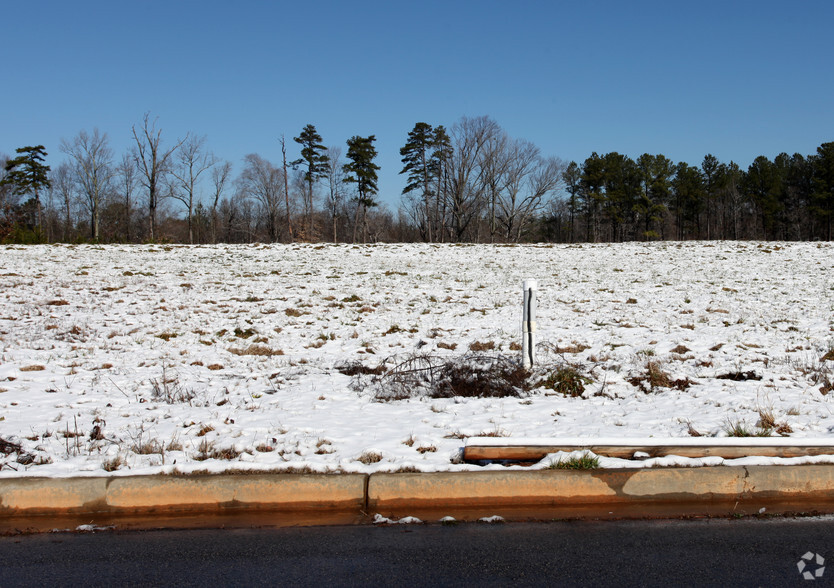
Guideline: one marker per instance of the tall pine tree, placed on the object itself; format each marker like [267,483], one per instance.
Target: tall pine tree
[417,163]
[362,171]
[26,174]
[822,196]
[314,158]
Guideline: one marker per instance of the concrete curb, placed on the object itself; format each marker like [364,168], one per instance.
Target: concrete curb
[811,486]
[168,494]
[686,486]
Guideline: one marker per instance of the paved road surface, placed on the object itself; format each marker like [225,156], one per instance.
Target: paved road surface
[754,552]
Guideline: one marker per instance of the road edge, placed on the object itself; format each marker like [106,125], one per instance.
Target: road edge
[688,488]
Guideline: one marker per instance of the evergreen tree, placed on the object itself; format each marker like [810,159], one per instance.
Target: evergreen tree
[763,184]
[362,171]
[572,177]
[622,189]
[416,158]
[439,166]
[798,190]
[26,174]
[688,198]
[655,173]
[314,158]
[710,171]
[591,184]
[822,197]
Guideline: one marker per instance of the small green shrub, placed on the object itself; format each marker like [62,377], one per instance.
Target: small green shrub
[566,380]
[586,461]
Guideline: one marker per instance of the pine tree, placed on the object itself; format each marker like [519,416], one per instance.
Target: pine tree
[362,171]
[314,157]
[571,176]
[822,197]
[27,175]
[439,168]
[655,174]
[416,157]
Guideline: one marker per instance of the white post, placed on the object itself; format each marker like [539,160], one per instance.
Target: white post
[528,325]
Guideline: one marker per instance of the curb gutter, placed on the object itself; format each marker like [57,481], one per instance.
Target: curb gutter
[809,486]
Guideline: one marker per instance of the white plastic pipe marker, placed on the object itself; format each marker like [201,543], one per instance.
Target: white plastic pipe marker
[528,325]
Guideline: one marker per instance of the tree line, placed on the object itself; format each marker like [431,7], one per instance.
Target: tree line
[181,192]
[471,182]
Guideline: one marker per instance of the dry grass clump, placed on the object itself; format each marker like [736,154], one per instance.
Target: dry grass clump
[655,377]
[692,431]
[32,368]
[255,349]
[324,447]
[244,333]
[208,450]
[482,346]
[205,430]
[767,422]
[149,447]
[113,464]
[739,428]
[369,457]
[169,390]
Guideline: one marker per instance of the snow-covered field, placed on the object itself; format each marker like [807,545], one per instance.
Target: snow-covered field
[144,359]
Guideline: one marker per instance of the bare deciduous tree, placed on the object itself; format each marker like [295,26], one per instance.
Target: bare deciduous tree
[192,161]
[261,181]
[286,186]
[64,188]
[527,180]
[219,178]
[153,163]
[335,180]
[466,181]
[92,168]
[126,181]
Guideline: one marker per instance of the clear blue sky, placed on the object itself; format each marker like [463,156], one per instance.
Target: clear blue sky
[736,79]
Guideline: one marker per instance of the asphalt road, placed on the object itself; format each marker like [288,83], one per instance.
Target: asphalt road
[754,552]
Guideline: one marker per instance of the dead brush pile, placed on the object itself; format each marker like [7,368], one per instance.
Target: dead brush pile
[472,375]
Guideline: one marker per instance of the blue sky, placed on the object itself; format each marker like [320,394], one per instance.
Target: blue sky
[736,79]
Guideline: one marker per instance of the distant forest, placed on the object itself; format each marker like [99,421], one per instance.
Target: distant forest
[469,183]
